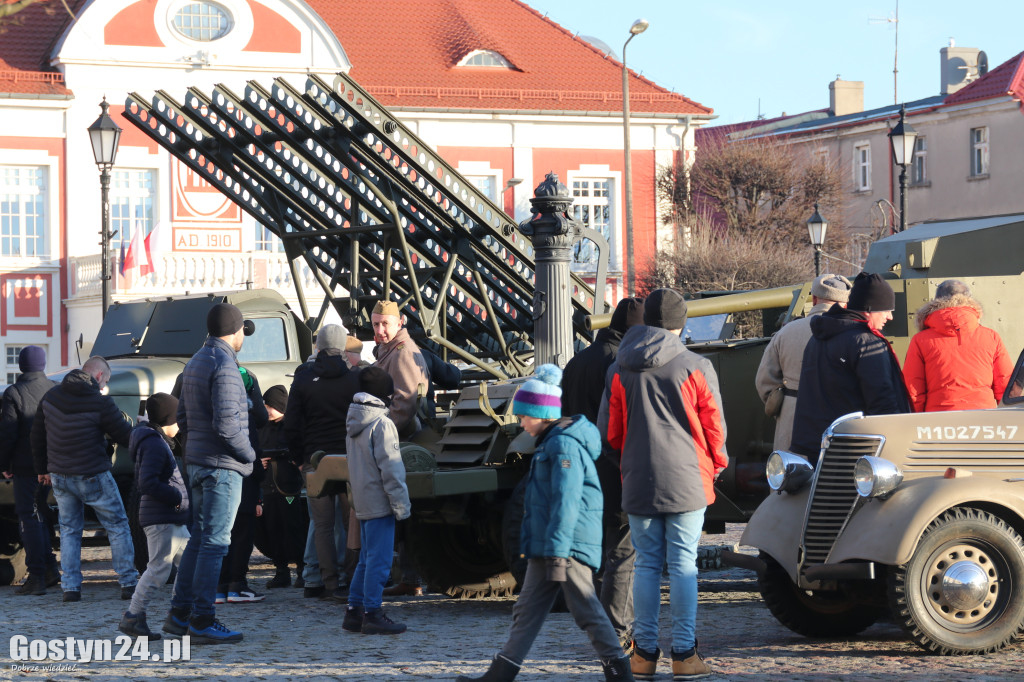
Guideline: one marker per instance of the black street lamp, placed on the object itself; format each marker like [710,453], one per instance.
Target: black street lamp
[903,137]
[638,27]
[816,227]
[105,134]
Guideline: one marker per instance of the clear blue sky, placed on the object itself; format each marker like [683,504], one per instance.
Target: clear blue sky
[727,54]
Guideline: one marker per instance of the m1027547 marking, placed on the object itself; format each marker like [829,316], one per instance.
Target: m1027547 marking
[967,432]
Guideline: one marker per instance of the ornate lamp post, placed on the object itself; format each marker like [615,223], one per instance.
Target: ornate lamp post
[638,27]
[903,137]
[816,227]
[105,134]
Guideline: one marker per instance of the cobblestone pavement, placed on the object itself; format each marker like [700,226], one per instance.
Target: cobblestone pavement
[290,638]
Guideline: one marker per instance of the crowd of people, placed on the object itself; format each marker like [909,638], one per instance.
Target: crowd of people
[630,440]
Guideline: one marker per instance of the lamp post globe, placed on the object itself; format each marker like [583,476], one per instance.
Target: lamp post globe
[903,138]
[816,228]
[104,135]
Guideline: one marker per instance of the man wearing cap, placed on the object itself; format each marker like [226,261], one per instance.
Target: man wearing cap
[16,417]
[398,355]
[779,371]
[848,365]
[213,413]
[315,420]
[69,450]
[582,388]
[662,411]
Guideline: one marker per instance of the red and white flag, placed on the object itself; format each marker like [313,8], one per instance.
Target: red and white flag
[133,258]
[152,248]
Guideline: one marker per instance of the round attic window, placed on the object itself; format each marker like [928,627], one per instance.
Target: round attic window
[202,21]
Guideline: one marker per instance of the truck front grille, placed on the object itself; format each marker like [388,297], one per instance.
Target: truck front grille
[833,494]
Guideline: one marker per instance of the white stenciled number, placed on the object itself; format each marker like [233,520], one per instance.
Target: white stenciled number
[1011,431]
[988,432]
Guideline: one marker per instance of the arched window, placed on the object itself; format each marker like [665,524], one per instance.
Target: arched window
[488,58]
[202,21]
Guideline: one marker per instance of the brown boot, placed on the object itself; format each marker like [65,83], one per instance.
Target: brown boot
[644,663]
[689,668]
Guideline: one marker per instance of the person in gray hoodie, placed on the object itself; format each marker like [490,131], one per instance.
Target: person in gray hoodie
[379,497]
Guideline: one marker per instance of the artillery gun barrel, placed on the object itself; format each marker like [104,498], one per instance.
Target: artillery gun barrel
[716,305]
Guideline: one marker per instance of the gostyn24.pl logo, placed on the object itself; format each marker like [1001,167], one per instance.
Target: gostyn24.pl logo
[121,648]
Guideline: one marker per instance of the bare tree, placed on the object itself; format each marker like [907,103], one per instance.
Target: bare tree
[10,8]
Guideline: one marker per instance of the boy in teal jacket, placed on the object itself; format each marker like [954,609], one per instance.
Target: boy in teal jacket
[561,533]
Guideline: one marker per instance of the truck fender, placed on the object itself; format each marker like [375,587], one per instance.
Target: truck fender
[887,530]
[777,526]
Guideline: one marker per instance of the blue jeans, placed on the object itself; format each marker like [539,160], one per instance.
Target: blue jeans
[99,492]
[216,494]
[659,539]
[35,534]
[375,555]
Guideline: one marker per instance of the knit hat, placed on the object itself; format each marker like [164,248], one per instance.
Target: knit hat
[331,336]
[540,396]
[629,312]
[276,397]
[665,308]
[32,359]
[386,308]
[377,382]
[871,294]
[162,409]
[224,319]
[832,288]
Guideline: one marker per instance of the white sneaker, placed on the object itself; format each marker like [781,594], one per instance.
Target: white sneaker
[244,596]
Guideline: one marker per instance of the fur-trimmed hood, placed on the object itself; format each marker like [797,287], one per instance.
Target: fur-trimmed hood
[970,314]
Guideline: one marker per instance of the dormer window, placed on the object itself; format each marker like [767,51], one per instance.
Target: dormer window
[488,58]
[202,21]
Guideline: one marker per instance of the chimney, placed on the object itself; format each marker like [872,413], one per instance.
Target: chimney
[846,97]
[960,66]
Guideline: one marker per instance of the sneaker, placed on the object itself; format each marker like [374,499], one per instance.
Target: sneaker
[280,579]
[127,592]
[244,595]
[353,621]
[209,630]
[221,598]
[618,670]
[32,585]
[377,623]
[310,592]
[52,576]
[689,668]
[644,663]
[72,595]
[177,621]
[136,626]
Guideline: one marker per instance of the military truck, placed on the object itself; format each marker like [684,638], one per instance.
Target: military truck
[147,343]
[918,515]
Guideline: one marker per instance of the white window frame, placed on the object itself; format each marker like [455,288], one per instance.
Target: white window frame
[919,167]
[600,172]
[862,167]
[485,59]
[266,241]
[979,151]
[32,182]
[11,352]
[136,196]
[477,171]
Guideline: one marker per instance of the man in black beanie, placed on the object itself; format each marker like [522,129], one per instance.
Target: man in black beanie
[848,366]
[662,412]
[582,388]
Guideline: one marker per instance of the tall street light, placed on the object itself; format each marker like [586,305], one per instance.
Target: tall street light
[816,227]
[105,134]
[903,137]
[638,27]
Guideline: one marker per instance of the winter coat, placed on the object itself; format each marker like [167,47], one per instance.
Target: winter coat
[847,367]
[318,406]
[17,414]
[401,358]
[68,436]
[780,366]
[563,504]
[213,410]
[662,411]
[954,363]
[376,474]
[164,495]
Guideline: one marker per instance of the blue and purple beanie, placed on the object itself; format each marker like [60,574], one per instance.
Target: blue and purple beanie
[540,396]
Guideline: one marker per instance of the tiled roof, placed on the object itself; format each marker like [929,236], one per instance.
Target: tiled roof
[1005,79]
[25,46]
[405,53]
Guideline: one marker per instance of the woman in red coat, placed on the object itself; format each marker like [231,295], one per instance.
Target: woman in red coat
[954,363]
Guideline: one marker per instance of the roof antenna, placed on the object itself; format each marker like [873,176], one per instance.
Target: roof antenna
[893,19]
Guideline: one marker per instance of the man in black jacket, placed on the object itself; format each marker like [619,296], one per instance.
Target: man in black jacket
[848,365]
[582,388]
[69,446]
[16,417]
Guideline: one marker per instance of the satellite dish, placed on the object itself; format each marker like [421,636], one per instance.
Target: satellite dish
[600,45]
[982,63]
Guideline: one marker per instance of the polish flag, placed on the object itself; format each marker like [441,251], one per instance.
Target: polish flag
[122,259]
[152,246]
[133,258]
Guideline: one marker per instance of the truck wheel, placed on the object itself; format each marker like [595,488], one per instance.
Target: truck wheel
[962,592]
[451,558]
[813,613]
[12,552]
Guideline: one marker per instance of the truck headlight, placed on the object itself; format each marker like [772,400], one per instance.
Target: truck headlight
[786,471]
[875,476]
